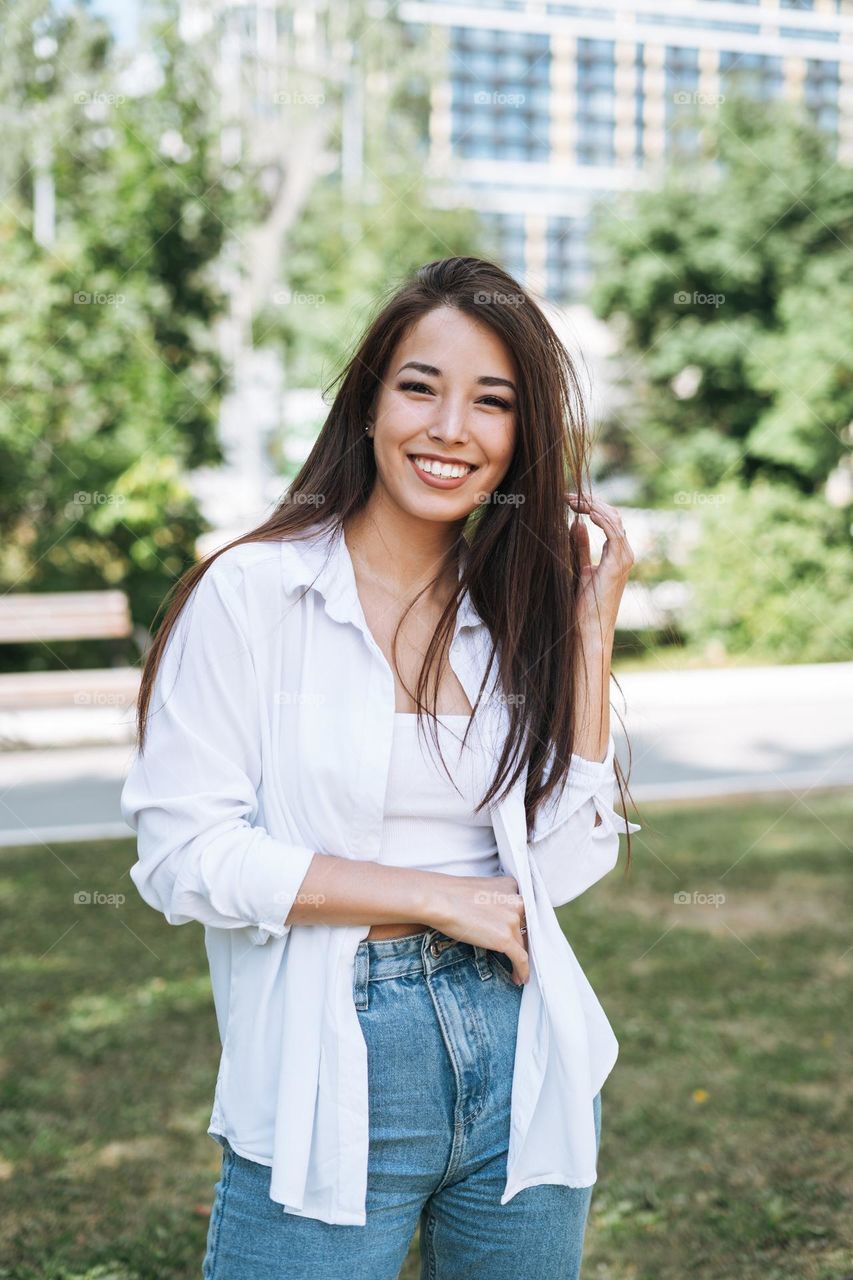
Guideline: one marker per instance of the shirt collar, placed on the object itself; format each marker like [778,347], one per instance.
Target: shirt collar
[320,558]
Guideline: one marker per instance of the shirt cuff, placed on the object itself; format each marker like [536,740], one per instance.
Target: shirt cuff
[587,780]
[257,883]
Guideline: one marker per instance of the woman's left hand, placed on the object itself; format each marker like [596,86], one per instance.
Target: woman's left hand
[601,585]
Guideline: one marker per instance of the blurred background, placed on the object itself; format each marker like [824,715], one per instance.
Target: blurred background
[202,204]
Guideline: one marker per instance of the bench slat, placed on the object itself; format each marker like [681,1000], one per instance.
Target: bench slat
[64,615]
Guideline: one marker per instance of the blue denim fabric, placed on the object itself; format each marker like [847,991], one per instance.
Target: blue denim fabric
[439,1020]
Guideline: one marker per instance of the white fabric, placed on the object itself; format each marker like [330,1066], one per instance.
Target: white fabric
[269,737]
[429,819]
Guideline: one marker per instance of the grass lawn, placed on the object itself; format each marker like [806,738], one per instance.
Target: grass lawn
[648,653]
[723,1150]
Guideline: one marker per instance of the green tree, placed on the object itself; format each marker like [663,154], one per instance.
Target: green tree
[772,575]
[366,226]
[111,375]
[342,256]
[731,285]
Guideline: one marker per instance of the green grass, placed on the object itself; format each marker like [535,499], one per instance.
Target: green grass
[722,1155]
[640,653]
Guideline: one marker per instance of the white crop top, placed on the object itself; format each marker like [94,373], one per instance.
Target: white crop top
[429,824]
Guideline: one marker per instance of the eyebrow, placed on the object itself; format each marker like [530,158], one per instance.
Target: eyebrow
[436,373]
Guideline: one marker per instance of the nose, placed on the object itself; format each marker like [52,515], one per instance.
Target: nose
[450,423]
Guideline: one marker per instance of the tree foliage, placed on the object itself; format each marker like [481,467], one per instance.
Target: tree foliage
[772,575]
[731,285]
[357,240]
[343,256]
[111,374]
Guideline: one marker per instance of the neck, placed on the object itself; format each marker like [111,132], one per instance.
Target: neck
[400,550]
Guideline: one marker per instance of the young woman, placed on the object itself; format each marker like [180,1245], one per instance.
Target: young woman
[407,1036]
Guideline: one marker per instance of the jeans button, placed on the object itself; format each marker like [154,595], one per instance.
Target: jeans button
[435,949]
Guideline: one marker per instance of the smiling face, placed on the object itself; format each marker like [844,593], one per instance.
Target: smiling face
[445,418]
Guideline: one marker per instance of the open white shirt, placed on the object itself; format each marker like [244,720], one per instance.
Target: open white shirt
[269,738]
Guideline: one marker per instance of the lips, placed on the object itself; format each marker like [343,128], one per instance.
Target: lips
[438,475]
[442,469]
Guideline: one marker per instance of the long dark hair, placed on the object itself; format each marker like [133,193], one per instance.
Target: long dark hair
[521,566]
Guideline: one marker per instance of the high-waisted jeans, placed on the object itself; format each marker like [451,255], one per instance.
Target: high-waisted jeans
[439,1019]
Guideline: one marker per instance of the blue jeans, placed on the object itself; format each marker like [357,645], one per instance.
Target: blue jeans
[439,1019]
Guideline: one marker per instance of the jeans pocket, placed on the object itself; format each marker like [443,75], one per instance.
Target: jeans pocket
[502,966]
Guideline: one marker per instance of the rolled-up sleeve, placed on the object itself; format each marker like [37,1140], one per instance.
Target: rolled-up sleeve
[192,794]
[571,849]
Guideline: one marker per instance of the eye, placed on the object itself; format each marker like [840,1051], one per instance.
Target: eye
[415,386]
[420,387]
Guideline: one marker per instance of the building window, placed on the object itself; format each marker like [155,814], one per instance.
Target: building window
[567,261]
[820,91]
[500,94]
[506,240]
[596,74]
[639,102]
[681,79]
[806,33]
[756,75]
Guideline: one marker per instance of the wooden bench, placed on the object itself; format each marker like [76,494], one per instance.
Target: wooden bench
[68,615]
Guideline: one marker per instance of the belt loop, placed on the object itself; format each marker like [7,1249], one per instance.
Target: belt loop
[481,959]
[361,975]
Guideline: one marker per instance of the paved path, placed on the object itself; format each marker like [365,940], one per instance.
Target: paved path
[692,733]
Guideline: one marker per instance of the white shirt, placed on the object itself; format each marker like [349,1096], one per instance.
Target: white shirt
[269,738]
[430,820]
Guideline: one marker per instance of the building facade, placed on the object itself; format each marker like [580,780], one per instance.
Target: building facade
[544,108]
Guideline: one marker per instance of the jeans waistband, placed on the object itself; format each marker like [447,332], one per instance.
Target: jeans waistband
[382,958]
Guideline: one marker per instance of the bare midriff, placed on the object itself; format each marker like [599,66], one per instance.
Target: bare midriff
[395,930]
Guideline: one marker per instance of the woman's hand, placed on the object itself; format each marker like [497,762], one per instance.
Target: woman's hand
[601,586]
[487,911]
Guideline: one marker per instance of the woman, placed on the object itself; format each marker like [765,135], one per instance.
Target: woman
[404,1041]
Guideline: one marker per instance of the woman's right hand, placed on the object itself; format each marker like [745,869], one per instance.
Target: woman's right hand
[486,911]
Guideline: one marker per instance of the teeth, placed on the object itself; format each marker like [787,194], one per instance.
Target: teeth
[447,470]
